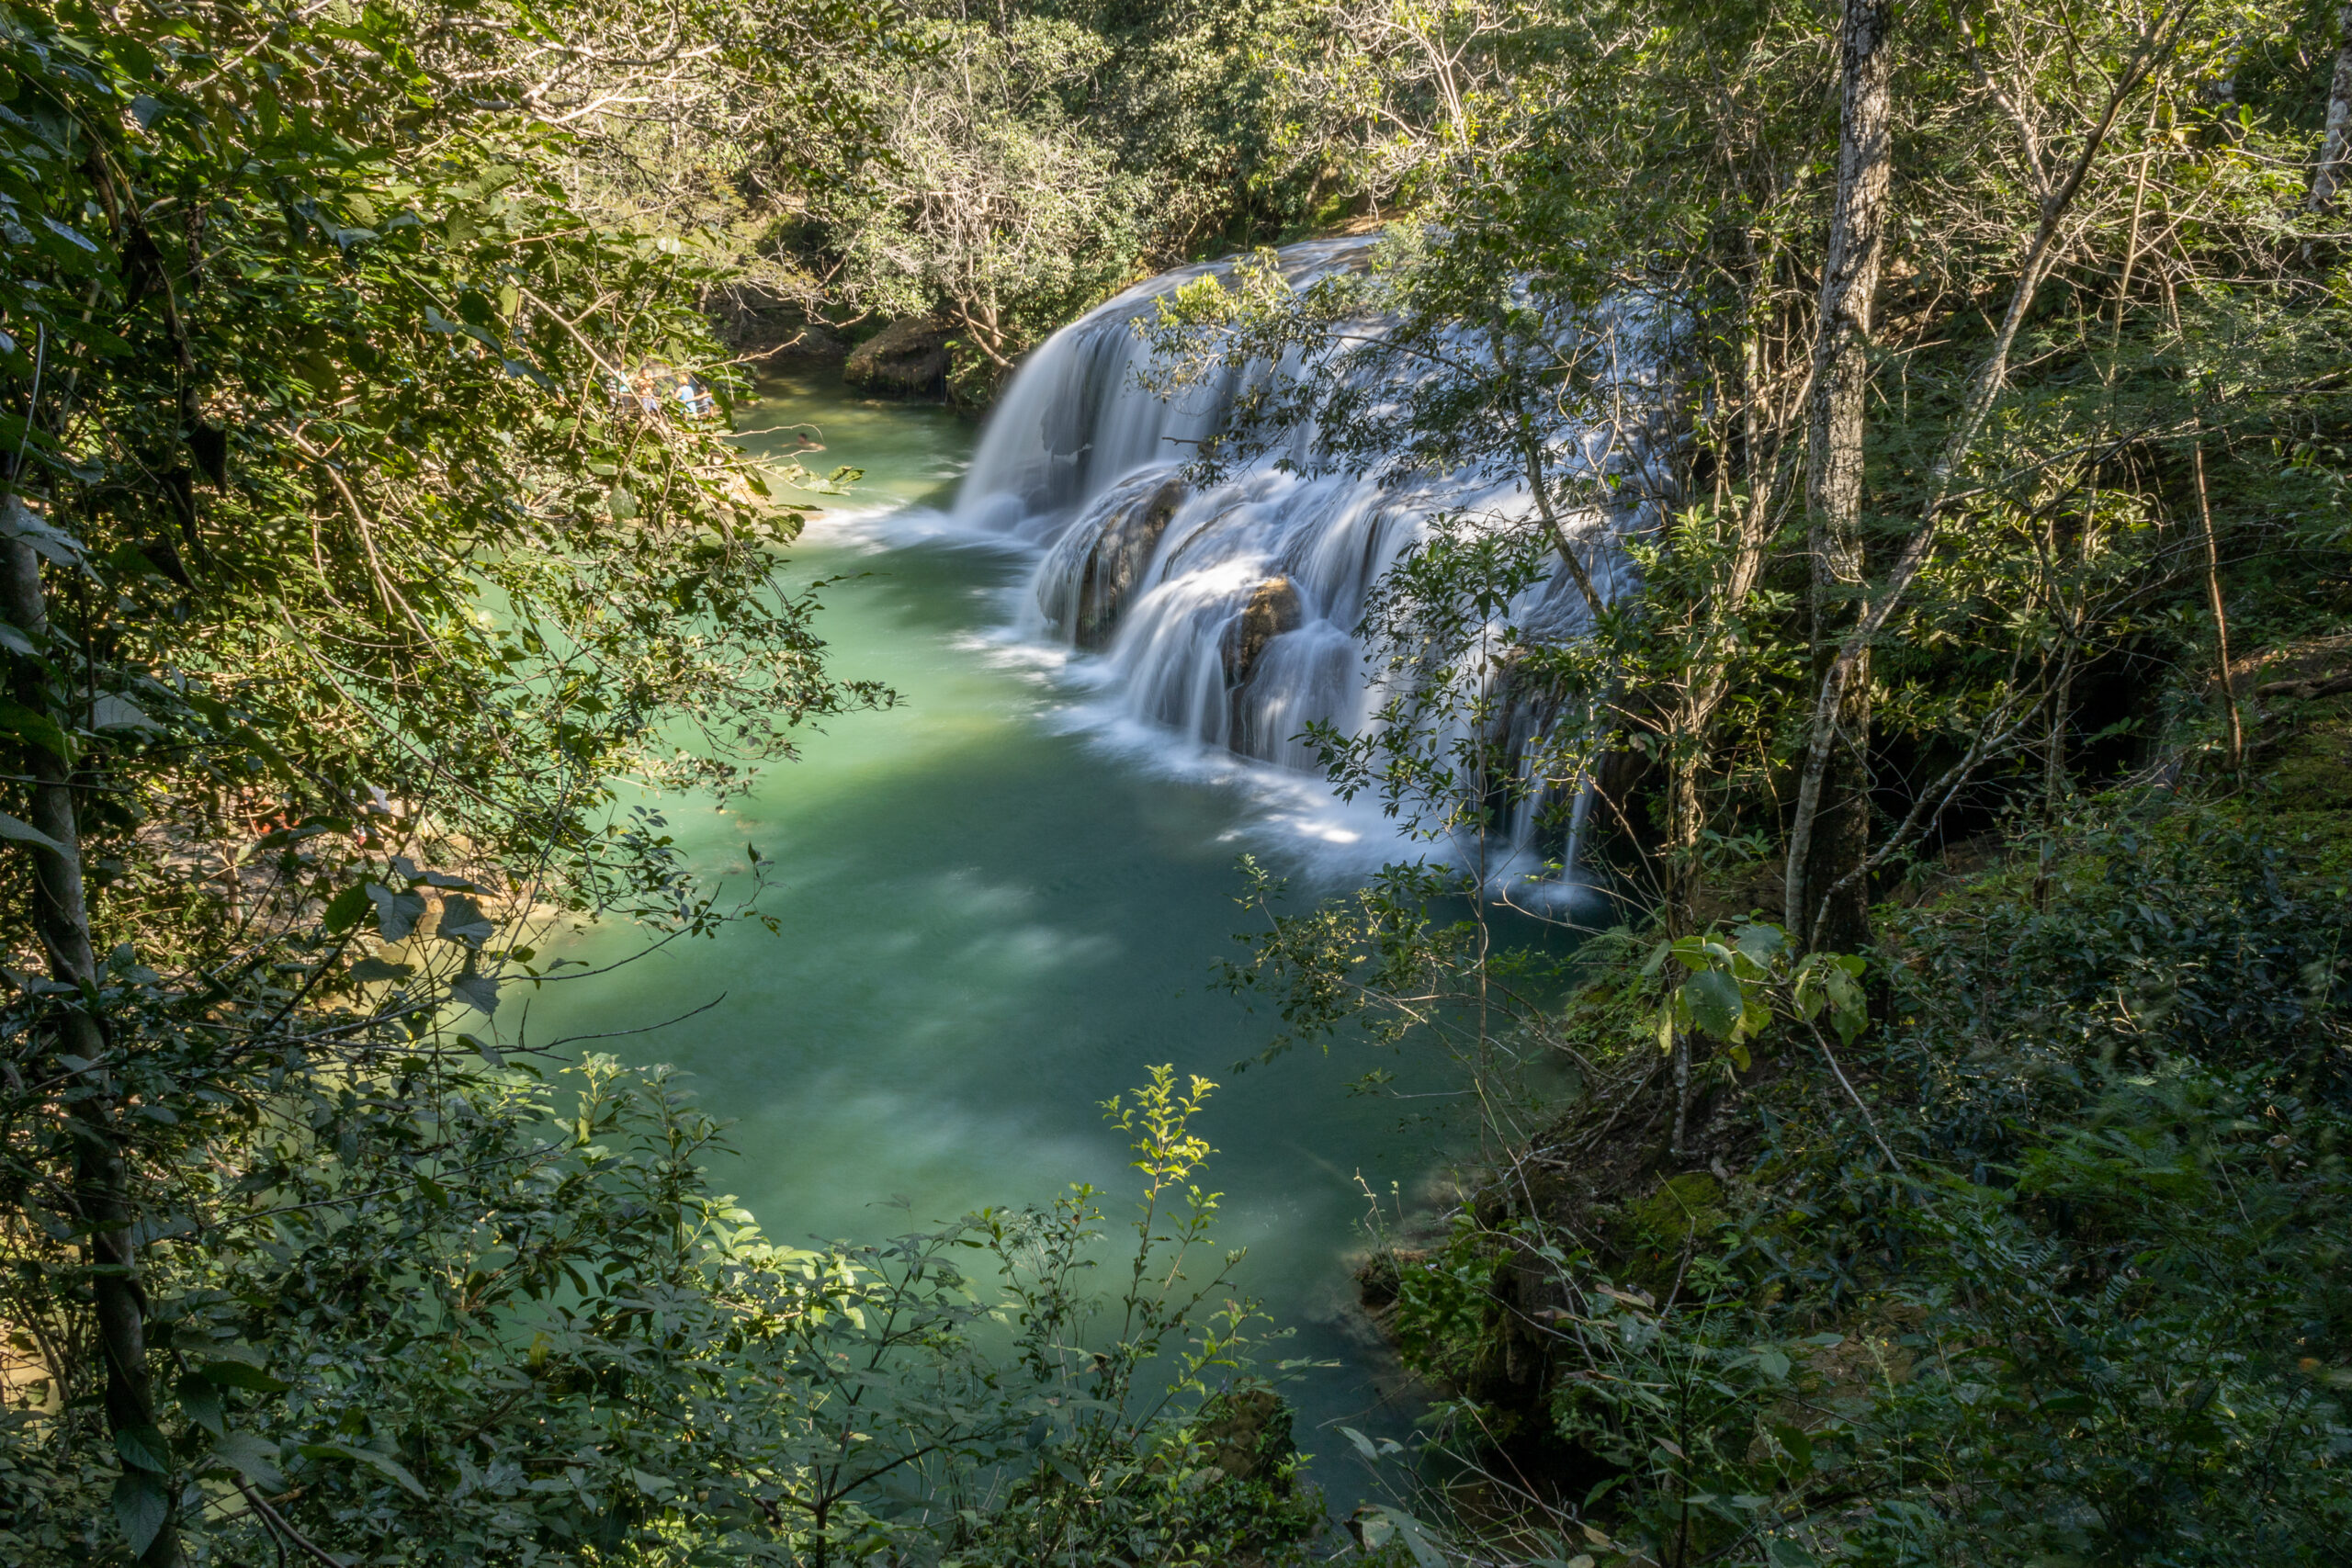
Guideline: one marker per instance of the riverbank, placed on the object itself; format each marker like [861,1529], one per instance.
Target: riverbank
[2055,1225]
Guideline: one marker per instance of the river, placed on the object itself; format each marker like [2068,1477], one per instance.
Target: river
[1001,904]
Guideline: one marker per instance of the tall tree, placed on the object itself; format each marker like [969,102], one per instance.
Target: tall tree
[2336,149]
[1831,831]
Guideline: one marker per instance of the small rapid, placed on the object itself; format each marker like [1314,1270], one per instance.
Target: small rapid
[1226,613]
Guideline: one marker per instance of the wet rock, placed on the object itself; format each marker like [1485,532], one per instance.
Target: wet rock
[1122,554]
[906,359]
[1247,1433]
[1275,608]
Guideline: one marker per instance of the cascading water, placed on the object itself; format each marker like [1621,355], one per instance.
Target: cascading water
[1226,612]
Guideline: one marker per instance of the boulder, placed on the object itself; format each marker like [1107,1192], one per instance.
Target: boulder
[1275,608]
[906,359]
[1247,1433]
[1122,554]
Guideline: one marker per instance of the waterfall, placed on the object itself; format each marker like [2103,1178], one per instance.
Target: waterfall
[1226,612]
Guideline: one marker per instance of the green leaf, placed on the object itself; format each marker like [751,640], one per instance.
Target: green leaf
[241,1374]
[384,1463]
[144,1447]
[202,1402]
[253,1458]
[1754,1015]
[73,236]
[462,920]
[36,727]
[112,710]
[25,832]
[396,913]
[1714,999]
[344,911]
[369,971]
[51,543]
[478,992]
[1796,1442]
[1416,1537]
[139,1508]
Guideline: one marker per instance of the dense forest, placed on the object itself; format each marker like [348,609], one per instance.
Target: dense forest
[1934,415]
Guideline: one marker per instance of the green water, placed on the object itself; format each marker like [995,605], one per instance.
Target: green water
[991,920]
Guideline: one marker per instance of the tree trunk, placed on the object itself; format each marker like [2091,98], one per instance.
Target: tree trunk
[1826,741]
[2336,152]
[1831,833]
[100,1192]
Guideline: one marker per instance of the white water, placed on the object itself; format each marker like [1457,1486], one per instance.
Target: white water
[1225,616]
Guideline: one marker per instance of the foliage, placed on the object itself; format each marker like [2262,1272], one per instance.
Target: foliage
[2102,459]
[2055,1272]
[517,1325]
[350,575]
[1034,159]
[991,204]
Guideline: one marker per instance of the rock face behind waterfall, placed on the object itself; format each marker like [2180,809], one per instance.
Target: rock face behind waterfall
[1119,555]
[1273,610]
[1226,612]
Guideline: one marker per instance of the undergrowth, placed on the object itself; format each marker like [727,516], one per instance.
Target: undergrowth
[2052,1268]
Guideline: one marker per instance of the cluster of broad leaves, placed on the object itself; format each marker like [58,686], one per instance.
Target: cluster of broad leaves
[1607,310]
[376,555]
[320,374]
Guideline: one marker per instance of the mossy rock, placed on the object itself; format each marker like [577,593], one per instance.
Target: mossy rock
[1275,610]
[1247,1433]
[906,359]
[1121,553]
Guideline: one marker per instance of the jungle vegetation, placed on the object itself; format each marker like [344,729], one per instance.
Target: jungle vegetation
[1934,1156]
[1953,1164]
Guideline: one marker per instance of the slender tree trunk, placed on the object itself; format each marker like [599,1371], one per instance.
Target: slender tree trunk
[61,916]
[2221,611]
[2336,152]
[1837,836]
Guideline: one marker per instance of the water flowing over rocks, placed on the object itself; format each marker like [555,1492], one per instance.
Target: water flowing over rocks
[1227,610]
[1272,611]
